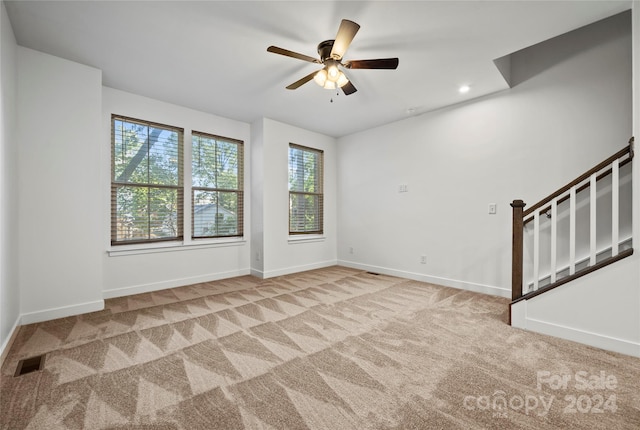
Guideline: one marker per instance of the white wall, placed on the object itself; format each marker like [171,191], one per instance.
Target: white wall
[600,309]
[60,205]
[521,143]
[198,261]
[257,198]
[635,259]
[603,308]
[66,264]
[281,254]
[9,292]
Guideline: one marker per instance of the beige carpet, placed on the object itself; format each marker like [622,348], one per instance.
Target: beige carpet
[331,349]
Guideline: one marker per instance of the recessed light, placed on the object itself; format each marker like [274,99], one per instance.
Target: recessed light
[464,89]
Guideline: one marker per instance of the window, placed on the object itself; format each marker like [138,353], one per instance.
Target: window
[305,190]
[217,193]
[146,181]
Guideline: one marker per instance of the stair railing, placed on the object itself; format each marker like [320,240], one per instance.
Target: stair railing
[549,207]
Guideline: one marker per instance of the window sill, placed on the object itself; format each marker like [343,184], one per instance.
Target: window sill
[306,238]
[173,246]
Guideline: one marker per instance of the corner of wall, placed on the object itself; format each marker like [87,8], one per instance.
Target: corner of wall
[5,346]
[635,28]
[558,313]
[59,269]
[9,290]
[273,254]
[256,253]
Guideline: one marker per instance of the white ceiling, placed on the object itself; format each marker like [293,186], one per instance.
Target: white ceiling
[211,55]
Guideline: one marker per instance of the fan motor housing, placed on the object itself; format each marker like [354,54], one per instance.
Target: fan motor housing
[324,49]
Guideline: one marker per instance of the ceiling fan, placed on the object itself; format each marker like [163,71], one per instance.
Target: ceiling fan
[331,57]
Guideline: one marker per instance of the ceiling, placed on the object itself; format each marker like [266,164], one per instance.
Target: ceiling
[212,55]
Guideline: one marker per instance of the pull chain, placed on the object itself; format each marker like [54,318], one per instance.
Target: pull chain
[337,94]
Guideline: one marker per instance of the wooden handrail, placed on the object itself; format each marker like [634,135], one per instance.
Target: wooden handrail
[580,188]
[624,151]
[519,215]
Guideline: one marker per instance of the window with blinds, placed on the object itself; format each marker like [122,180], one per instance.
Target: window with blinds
[305,190]
[217,187]
[146,181]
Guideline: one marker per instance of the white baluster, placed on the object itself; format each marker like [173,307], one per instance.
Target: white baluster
[572,231]
[536,250]
[592,220]
[615,206]
[554,238]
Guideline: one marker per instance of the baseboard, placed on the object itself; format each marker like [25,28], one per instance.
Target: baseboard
[296,269]
[257,273]
[6,345]
[61,312]
[520,320]
[446,282]
[173,283]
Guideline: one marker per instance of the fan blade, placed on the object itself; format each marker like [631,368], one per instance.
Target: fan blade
[302,81]
[381,63]
[292,54]
[346,33]
[348,88]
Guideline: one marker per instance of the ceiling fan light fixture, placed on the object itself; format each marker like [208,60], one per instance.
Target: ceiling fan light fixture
[321,77]
[329,85]
[331,54]
[333,73]
[342,80]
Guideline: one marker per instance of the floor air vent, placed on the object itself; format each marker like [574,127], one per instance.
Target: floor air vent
[373,273]
[29,365]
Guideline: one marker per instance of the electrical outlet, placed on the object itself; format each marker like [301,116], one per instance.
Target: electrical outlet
[423,259]
[257,256]
[350,250]
[493,208]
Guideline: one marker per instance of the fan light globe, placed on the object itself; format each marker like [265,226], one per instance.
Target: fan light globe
[329,85]
[333,73]
[324,78]
[321,77]
[342,80]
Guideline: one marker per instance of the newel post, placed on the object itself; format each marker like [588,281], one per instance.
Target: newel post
[516,247]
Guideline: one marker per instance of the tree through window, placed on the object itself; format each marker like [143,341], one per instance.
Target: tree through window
[305,190]
[146,181]
[217,193]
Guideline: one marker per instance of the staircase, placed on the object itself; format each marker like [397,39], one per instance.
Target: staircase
[579,229]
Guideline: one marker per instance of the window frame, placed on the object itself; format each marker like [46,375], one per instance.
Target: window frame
[239,191]
[319,193]
[115,184]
